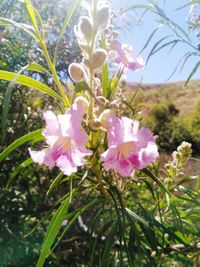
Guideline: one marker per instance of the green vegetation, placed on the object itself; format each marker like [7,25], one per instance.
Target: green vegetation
[171,111]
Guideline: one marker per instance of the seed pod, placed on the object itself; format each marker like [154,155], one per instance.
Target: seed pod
[85,28]
[76,72]
[98,59]
[103,17]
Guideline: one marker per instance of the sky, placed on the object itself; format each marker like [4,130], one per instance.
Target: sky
[162,64]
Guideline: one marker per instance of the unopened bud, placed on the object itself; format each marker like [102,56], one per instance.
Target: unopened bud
[104,117]
[83,102]
[85,28]
[95,124]
[76,72]
[102,100]
[98,59]
[103,17]
[115,104]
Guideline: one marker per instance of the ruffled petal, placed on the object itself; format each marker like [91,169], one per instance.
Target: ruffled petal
[66,165]
[148,155]
[115,131]
[130,129]
[124,168]
[144,136]
[109,158]
[42,157]
[52,126]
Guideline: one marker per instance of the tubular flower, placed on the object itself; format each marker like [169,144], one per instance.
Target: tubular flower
[126,56]
[65,138]
[129,147]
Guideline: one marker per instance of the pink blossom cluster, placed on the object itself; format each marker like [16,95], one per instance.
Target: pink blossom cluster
[127,57]
[129,147]
[65,138]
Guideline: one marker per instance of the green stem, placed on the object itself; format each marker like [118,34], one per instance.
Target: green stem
[54,74]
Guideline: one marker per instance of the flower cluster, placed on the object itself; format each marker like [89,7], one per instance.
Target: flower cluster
[180,158]
[66,139]
[127,57]
[194,20]
[129,147]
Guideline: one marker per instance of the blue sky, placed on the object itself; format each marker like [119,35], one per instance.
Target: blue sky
[161,64]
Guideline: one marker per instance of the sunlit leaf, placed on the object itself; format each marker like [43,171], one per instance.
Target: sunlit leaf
[23,165]
[27,81]
[36,135]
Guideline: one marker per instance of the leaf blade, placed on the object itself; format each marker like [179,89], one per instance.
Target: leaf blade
[22,140]
[30,82]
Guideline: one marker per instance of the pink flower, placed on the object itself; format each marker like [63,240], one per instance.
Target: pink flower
[127,57]
[120,14]
[129,147]
[65,138]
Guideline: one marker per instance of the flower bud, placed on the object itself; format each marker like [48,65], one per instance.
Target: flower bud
[95,124]
[102,100]
[76,72]
[103,17]
[85,28]
[83,102]
[104,117]
[115,104]
[98,59]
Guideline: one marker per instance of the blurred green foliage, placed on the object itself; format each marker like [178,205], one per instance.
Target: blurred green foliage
[171,128]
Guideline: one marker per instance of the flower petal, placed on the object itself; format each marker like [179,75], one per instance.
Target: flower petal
[66,165]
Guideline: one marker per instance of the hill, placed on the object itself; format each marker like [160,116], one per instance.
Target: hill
[183,97]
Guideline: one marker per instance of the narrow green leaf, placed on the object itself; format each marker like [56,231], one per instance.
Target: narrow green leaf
[37,68]
[136,217]
[53,230]
[76,214]
[192,72]
[105,80]
[106,257]
[32,16]
[150,37]
[189,4]
[70,12]
[155,179]
[115,81]
[27,81]
[173,42]
[24,164]
[22,140]
[155,46]
[132,7]
[54,183]
[8,93]
[22,26]
[105,71]
[186,57]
